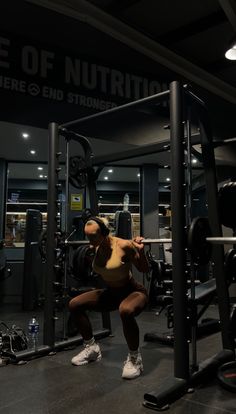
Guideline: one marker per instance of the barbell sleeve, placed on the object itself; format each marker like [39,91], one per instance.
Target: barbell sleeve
[213,240]
[153,241]
[76,242]
[221,240]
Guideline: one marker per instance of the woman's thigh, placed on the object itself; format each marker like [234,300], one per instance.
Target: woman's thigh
[134,303]
[98,300]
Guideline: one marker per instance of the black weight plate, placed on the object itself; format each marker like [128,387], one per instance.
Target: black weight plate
[227,204]
[227,376]
[199,248]
[230,265]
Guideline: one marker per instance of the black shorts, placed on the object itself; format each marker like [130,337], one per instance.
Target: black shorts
[110,298]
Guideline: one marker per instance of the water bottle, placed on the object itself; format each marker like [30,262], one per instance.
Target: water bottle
[33,333]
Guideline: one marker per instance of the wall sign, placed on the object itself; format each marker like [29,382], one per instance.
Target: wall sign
[31,70]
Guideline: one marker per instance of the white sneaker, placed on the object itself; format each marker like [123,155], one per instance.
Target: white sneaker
[89,354]
[133,367]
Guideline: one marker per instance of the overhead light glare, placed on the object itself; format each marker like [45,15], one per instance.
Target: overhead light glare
[106,178]
[231,52]
[25,135]
[33,152]
[110,170]
[40,168]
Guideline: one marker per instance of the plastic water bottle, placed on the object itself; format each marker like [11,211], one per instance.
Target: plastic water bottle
[33,333]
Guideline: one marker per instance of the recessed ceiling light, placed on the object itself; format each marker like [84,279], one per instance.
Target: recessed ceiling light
[110,171]
[231,52]
[194,161]
[106,178]
[45,176]
[33,152]
[40,168]
[25,135]
[138,175]
[40,176]
[168,179]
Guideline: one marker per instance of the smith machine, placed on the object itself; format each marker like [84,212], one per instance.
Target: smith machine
[183,105]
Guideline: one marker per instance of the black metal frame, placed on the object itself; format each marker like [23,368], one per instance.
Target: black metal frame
[183,379]
[51,265]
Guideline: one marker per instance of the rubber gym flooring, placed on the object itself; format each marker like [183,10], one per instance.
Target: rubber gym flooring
[51,385]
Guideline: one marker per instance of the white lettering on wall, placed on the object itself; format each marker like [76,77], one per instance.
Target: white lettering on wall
[117,83]
[108,81]
[30,60]
[34,62]
[104,72]
[45,62]
[89,76]
[81,75]
[4,43]
[137,80]
[72,71]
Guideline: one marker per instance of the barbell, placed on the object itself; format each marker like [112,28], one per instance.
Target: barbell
[213,240]
[199,240]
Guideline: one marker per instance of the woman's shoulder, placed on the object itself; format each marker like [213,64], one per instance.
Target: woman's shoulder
[124,243]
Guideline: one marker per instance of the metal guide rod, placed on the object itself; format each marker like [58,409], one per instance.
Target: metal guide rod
[159,97]
[221,240]
[214,240]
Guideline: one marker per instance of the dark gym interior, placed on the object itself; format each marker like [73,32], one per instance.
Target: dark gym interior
[125,109]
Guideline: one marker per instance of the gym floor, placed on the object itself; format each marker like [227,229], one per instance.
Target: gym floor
[51,385]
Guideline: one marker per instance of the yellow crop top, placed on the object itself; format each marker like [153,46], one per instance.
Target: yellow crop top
[115,271]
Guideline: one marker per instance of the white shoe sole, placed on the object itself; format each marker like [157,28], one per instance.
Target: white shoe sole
[85,362]
[132,377]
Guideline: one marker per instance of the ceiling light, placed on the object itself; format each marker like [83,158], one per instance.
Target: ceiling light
[138,175]
[25,135]
[231,52]
[45,176]
[33,152]
[40,168]
[194,161]
[167,179]
[110,171]
[106,178]
[40,176]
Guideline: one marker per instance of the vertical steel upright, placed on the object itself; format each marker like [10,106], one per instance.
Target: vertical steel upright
[181,347]
[3,196]
[53,165]
[149,206]
[213,213]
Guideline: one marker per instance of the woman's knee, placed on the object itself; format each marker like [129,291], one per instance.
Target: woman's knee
[74,305]
[125,311]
